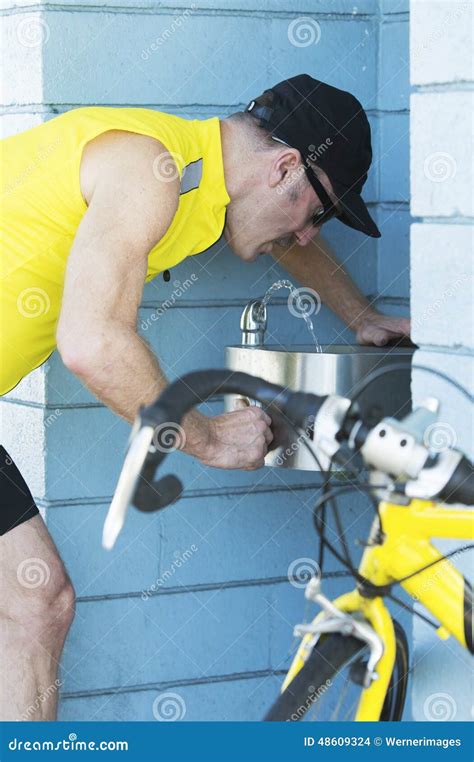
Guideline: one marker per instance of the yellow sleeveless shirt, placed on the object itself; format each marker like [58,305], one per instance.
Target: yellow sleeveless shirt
[42,205]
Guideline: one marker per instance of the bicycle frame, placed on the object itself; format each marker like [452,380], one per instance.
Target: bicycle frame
[441,588]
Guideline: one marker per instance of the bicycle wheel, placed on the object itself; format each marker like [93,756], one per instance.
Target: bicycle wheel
[329,685]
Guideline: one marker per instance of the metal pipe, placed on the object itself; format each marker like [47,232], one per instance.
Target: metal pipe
[253,323]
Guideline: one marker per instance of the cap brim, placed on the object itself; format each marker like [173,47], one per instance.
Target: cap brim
[355,214]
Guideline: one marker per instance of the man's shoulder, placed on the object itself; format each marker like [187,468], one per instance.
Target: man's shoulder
[124,157]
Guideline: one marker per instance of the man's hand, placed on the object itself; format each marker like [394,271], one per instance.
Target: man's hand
[378,329]
[235,440]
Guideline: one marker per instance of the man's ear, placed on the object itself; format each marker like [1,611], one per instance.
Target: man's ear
[286,164]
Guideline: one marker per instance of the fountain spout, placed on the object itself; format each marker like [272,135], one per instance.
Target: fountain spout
[253,323]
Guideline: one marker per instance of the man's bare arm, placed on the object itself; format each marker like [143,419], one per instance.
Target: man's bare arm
[129,212]
[104,282]
[315,266]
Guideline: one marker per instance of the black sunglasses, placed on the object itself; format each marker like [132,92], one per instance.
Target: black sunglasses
[324,215]
[329,210]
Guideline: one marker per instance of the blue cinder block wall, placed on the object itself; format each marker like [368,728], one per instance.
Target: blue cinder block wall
[196,601]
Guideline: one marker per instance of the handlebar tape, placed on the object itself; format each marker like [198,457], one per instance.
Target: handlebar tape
[152,497]
[460,487]
[192,389]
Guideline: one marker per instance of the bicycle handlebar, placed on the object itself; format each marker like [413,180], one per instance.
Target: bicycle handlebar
[137,485]
[460,486]
[194,388]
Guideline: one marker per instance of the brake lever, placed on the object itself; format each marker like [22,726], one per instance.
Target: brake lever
[126,485]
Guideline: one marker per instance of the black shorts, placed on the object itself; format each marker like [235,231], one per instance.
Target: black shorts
[16,502]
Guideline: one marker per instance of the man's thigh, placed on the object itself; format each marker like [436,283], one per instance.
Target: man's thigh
[30,566]
[31,572]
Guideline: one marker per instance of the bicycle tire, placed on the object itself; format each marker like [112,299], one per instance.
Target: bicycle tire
[330,654]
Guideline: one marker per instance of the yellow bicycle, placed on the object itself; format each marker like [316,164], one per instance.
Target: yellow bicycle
[353,659]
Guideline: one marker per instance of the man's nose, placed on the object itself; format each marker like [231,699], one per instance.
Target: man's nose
[307,234]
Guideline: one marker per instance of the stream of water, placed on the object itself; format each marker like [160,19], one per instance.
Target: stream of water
[302,303]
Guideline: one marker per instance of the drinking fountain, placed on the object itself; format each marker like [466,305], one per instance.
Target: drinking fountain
[335,370]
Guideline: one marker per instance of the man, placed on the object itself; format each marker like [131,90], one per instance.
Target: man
[96,202]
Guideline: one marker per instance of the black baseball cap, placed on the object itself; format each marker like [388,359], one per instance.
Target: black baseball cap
[330,129]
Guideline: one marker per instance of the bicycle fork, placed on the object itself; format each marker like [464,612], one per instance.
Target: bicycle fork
[376,631]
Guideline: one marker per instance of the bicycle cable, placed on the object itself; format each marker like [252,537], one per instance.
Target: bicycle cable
[412,611]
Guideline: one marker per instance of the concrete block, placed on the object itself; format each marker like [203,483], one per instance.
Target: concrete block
[393,250]
[393,161]
[244,6]
[32,388]
[440,688]
[440,41]
[441,154]
[25,35]
[236,537]
[229,700]
[128,641]
[371,189]
[132,566]
[441,272]
[393,72]
[398,307]
[22,433]
[455,425]
[394,6]
[155,58]
[201,540]
[315,47]
[12,124]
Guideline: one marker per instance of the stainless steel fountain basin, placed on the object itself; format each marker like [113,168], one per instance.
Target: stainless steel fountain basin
[334,371]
